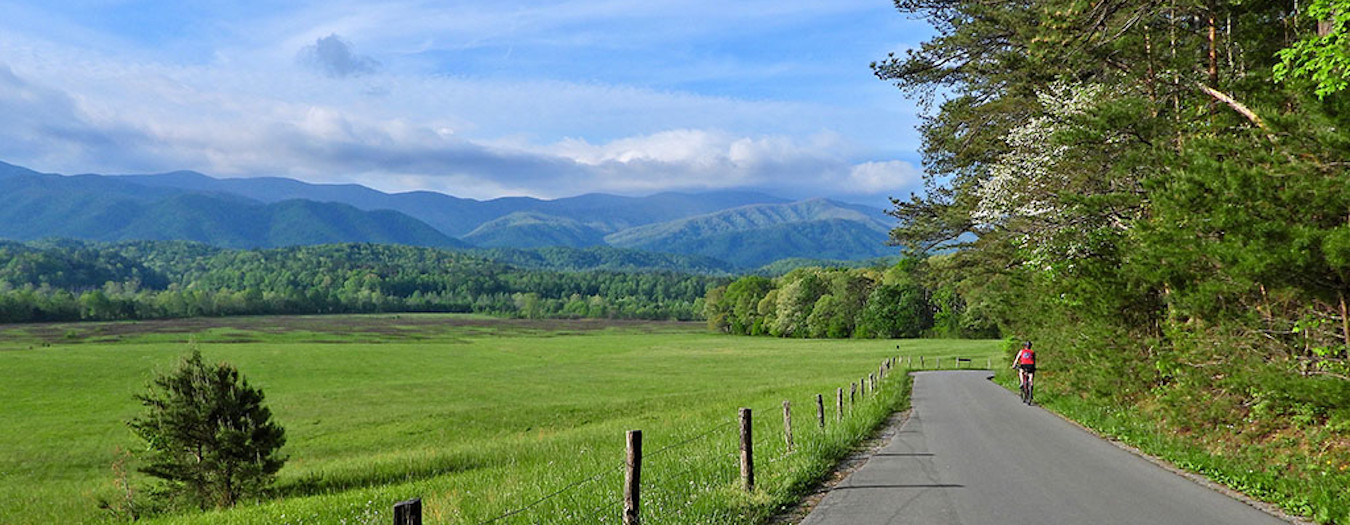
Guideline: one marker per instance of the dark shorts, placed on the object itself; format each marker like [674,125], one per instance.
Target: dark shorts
[1031,369]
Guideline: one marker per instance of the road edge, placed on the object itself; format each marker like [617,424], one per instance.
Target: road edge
[797,513]
[1269,508]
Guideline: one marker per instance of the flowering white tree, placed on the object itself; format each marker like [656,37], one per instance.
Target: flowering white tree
[1026,181]
[1032,189]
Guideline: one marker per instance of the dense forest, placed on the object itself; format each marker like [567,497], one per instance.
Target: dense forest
[71,280]
[840,302]
[1156,193]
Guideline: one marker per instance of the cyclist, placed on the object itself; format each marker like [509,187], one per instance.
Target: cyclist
[1025,363]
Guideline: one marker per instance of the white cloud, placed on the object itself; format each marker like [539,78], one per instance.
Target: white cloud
[247,110]
[880,177]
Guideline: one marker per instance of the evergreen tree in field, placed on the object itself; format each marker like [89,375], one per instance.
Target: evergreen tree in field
[208,435]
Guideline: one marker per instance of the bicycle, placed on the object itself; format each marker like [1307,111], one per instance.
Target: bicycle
[1028,390]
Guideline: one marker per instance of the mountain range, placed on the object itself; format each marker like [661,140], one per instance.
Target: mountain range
[743,229]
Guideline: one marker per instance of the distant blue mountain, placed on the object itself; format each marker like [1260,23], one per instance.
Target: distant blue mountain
[457,216]
[93,207]
[745,229]
[756,235]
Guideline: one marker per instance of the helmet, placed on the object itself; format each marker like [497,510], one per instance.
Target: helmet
[1026,344]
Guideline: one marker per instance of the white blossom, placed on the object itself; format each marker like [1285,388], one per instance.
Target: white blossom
[1025,181]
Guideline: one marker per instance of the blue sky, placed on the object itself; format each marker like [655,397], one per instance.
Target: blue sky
[476,99]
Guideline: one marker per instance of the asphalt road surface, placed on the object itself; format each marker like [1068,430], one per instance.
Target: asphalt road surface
[971,453]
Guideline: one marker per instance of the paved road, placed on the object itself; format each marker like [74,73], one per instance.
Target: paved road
[971,453]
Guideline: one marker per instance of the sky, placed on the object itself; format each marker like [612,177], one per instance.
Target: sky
[479,99]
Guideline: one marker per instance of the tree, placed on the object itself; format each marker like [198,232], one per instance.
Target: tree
[742,298]
[1324,57]
[208,435]
[796,299]
[896,311]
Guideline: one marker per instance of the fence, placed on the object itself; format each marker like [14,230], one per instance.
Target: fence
[636,464]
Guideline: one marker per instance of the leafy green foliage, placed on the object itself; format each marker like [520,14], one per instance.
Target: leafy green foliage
[781,267]
[194,280]
[602,258]
[1323,59]
[208,435]
[842,303]
[897,311]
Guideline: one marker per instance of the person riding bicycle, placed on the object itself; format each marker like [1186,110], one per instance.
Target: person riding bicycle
[1025,363]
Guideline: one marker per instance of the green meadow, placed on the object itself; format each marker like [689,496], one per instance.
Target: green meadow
[487,420]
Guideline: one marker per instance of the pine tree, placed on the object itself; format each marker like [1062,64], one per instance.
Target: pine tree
[209,437]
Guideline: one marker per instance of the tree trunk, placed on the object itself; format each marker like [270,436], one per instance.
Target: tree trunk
[1345,323]
[1213,46]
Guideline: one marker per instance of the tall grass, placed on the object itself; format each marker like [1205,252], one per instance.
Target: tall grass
[479,422]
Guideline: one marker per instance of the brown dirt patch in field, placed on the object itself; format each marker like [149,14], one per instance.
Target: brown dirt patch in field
[374,326]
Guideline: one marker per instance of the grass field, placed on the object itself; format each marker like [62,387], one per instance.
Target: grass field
[479,417]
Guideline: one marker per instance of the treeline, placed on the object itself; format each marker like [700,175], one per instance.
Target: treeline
[842,303]
[1157,194]
[71,280]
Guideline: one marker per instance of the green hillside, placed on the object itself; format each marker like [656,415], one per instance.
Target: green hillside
[92,207]
[830,239]
[459,216]
[603,258]
[743,218]
[752,236]
[534,230]
[738,228]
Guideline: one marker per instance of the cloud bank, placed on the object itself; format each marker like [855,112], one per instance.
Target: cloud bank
[476,100]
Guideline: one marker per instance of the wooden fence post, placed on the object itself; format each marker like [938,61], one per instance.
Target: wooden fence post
[989,363]
[747,452]
[820,410]
[920,361]
[839,404]
[937,363]
[632,480]
[408,512]
[787,424]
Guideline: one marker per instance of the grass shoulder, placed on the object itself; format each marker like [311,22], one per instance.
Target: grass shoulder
[1301,483]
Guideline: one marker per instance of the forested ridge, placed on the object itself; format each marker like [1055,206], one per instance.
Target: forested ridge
[73,280]
[1156,193]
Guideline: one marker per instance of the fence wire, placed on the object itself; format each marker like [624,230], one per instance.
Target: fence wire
[685,442]
[558,492]
[704,478]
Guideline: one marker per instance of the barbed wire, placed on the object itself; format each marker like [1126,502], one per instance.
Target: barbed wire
[595,514]
[764,439]
[569,487]
[705,434]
